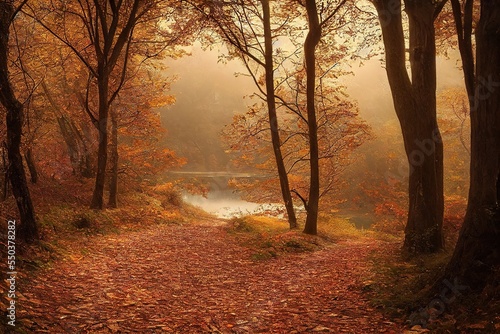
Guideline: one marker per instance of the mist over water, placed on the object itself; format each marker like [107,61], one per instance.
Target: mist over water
[223,201]
[225,204]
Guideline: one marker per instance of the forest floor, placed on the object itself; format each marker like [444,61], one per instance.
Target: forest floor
[203,277]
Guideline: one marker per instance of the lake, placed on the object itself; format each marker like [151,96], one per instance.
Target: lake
[224,202]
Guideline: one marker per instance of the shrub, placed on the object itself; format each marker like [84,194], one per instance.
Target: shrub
[169,196]
[81,222]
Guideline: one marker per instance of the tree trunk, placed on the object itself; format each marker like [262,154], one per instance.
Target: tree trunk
[415,105]
[464,36]
[425,153]
[5,173]
[102,152]
[498,187]
[79,154]
[28,230]
[86,157]
[113,185]
[477,253]
[108,54]
[70,140]
[273,118]
[312,40]
[30,162]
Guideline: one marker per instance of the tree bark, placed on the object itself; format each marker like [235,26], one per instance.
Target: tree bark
[415,105]
[273,118]
[30,162]
[86,156]
[312,40]
[477,253]
[28,229]
[102,152]
[5,173]
[108,51]
[113,185]
[464,36]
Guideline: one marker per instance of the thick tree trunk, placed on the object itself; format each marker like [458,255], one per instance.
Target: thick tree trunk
[30,162]
[102,152]
[312,40]
[415,105]
[477,253]
[273,118]
[425,152]
[113,185]
[28,230]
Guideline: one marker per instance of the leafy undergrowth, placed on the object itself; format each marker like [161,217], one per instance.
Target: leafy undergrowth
[402,289]
[136,210]
[337,229]
[399,286]
[271,237]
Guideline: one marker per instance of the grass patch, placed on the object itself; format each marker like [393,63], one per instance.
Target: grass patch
[270,237]
[336,229]
[260,224]
[71,221]
[241,225]
[264,255]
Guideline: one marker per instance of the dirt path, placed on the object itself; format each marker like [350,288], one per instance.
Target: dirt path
[197,279]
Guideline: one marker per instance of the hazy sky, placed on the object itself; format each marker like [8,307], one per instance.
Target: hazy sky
[368,86]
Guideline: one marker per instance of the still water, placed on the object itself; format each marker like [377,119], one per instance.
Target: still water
[222,201]
[227,205]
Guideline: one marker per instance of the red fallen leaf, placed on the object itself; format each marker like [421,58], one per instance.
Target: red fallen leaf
[480,325]
[114,327]
[320,328]
[64,310]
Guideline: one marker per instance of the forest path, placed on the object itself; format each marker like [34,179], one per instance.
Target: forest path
[197,278]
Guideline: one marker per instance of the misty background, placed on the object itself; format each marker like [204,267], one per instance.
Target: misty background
[209,92]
